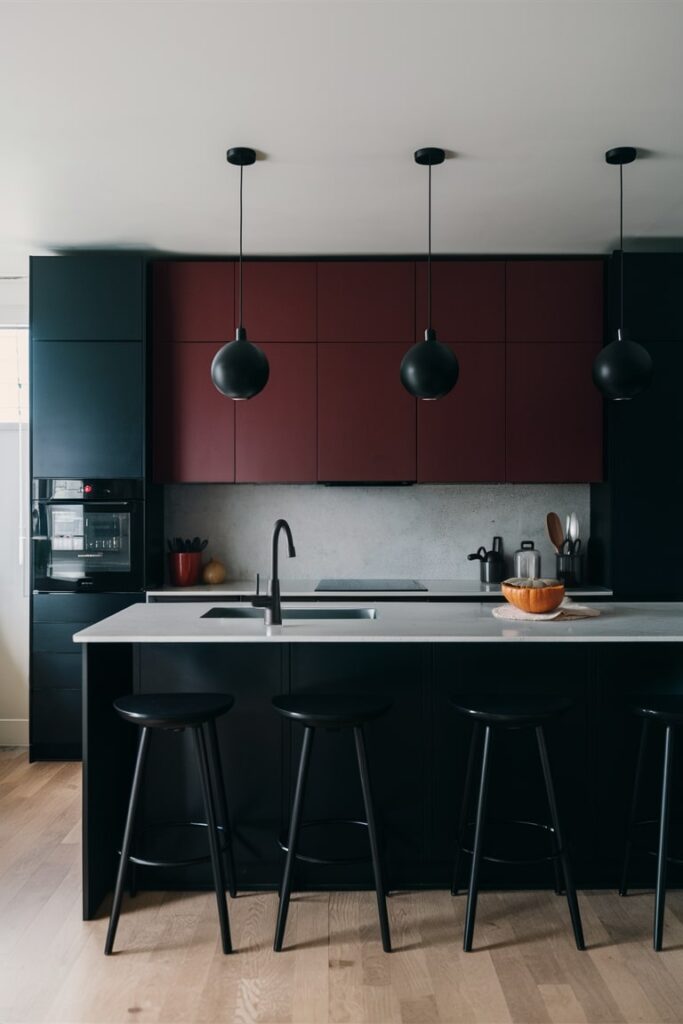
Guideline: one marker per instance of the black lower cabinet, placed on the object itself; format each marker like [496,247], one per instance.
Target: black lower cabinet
[55,713]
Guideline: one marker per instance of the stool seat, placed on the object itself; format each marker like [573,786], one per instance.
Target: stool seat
[511,710]
[173,710]
[666,708]
[332,709]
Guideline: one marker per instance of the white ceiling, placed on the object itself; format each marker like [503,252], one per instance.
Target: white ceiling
[115,118]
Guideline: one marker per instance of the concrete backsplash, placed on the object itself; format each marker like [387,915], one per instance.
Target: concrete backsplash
[421,531]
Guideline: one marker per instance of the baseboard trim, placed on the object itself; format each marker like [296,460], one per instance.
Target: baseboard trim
[13,732]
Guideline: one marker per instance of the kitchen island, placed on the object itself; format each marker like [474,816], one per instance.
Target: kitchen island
[417,653]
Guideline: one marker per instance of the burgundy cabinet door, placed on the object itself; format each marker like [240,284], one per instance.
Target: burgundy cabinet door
[555,301]
[468,300]
[554,414]
[275,432]
[366,420]
[366,301]
[193,300]
[194,425]
[279,300]
[461,438]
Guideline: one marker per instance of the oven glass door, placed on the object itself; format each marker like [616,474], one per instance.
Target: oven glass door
[86,546]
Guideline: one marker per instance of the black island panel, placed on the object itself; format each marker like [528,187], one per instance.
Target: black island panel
[417,754]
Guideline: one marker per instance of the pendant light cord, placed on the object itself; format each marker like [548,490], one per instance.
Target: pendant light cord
[429,251]
[241,325]
[621,248]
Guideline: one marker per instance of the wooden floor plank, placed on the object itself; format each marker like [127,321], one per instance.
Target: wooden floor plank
[169,968]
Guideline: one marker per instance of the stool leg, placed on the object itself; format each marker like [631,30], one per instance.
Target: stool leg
[143,745]
[294,825]
[663,839]
[214,846]
[380,891]
[464,806]
[212,743]
[564,857]
[623,888]
[477,850]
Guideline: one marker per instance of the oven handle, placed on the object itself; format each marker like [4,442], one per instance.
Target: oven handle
[96,554]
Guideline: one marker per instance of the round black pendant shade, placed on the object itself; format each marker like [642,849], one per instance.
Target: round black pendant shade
[429,370]
[622,369]
[240,370]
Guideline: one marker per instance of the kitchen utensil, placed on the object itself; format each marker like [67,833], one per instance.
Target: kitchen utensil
[573,526]
[533,595]
[554,529]
[527,561]
[492,564]
[567,521]
[480,553]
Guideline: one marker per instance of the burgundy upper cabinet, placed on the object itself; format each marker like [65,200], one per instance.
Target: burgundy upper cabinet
[279,301]
[468,301]
[366,301]
[366,420]
[554,414]
[461,438]
[193,300]
[555,301]
[276,431]
[194,425]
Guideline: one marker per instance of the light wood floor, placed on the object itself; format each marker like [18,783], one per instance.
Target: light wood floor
[169,967]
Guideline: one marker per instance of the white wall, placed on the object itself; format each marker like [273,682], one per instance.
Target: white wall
[14,602]
[421,531]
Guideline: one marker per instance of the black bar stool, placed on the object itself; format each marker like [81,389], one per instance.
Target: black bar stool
[179,711]
[331,711]
[509,712]
[667,711]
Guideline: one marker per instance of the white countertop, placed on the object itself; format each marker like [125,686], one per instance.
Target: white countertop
[182,622]
[472,589]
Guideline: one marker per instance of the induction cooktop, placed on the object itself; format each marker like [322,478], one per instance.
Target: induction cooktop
[374,585]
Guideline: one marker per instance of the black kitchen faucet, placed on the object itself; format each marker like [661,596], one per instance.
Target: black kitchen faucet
[271,602]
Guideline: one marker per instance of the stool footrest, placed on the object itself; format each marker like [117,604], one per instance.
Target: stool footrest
[638,848]
[283,841]
[186,862]
[544,858]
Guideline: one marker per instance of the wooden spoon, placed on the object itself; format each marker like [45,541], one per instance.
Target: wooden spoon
[554,529]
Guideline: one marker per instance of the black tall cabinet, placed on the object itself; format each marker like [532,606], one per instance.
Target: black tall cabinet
[88,420]
[637,545]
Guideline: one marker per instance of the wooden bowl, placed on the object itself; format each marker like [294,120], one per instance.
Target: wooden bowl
[535,596]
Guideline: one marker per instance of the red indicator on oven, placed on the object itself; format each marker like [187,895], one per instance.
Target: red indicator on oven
[87,488]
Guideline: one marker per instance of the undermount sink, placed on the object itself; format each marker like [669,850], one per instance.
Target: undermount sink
[292,613]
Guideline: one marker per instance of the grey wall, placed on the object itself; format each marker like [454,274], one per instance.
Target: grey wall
[420,531]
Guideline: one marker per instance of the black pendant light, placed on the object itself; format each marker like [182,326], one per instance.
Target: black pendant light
[429,369]
[623,368]
[240,369]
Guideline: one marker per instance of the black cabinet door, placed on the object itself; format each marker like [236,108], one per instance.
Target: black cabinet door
[87,297]
[87,409]
[652,296]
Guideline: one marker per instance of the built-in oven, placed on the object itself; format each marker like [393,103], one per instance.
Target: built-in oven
[87,535]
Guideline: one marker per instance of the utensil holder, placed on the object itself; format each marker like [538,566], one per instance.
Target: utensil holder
[569,569]
[185,568]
